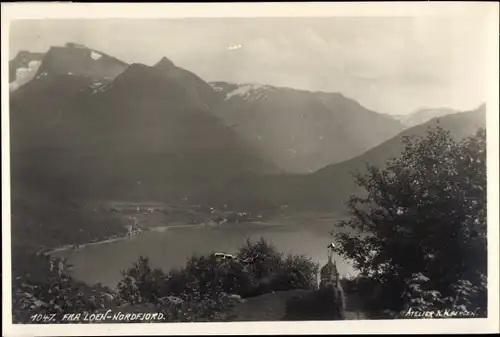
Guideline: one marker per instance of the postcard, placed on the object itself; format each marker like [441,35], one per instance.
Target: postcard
[241,168]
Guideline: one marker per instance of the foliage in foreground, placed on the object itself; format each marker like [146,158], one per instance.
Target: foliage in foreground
[201,291]
[206,286]
[419,238]
[46,298]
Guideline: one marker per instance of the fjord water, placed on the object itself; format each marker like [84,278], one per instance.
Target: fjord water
[169,248]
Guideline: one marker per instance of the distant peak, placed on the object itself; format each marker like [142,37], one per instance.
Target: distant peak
[164,63]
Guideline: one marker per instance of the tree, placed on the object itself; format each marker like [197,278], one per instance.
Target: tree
[422,222]
[141,283]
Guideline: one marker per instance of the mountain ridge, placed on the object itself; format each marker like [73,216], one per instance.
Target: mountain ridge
[299,192]
[165,126]
[151,126]
[301,130]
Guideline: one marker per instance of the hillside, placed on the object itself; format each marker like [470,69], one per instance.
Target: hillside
[44,219]
[301,131]
[328,188]
[195,85]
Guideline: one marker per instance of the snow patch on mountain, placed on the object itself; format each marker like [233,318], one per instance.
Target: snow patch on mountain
[25,74]
[94,55]
[215,87]
[250,92]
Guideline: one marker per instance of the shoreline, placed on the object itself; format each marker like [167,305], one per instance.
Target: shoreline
[148,229]
[83,245]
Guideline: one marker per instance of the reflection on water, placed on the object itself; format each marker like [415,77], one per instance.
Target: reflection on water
[170,248]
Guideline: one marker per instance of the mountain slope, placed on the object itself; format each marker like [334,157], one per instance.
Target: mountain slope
[197,87]
[328,188]
[147,134]
[301,131]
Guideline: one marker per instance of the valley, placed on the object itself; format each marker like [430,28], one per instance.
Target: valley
[111,161]
[89,129]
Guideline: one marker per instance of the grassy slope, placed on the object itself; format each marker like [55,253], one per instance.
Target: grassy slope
[288,305]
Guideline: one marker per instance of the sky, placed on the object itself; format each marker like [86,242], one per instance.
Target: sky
[392,65]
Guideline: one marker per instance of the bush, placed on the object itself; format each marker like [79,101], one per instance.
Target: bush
[204,285]
[271,271]
[207,275]
[141,283]
[301,272]
[464,295]
[421,228]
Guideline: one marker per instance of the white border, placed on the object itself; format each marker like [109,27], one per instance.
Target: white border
[488,11]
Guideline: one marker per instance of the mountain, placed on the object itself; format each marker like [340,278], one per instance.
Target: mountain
[147,134]
[301,131]
[22,61]
[423,115]
[23,67]
[75,59]
[71,59]
[328,188]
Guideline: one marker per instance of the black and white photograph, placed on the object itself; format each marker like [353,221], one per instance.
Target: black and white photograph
[331,169]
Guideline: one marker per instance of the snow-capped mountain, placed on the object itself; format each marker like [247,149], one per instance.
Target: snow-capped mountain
[22,61]
[75,59]
[71,59]
[248,92]
[301,131]
[24,74]
[23,67]
[90,134]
